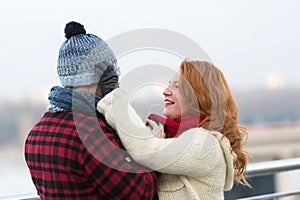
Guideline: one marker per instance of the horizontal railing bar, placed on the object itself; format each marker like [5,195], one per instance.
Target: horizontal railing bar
[253,169]
[25,196]
[273,195]
[270,167]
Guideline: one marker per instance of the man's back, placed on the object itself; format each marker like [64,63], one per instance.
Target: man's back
[76,156]
[71,152]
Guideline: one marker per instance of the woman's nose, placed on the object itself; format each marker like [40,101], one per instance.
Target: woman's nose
[167,92]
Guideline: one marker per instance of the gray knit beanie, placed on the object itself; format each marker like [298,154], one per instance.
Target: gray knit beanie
[83,57]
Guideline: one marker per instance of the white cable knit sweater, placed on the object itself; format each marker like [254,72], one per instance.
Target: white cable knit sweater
[196,165]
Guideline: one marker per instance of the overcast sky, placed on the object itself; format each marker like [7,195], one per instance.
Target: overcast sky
[255,42]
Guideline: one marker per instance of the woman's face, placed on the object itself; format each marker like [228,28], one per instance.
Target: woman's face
[175,106]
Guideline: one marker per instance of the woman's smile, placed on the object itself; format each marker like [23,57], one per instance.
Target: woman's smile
[168,102]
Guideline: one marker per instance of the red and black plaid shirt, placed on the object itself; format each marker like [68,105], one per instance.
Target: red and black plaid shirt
[74,156]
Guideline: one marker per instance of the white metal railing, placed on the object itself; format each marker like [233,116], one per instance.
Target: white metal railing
[253,170]
[27,196]
[275,166]
[274,195]
[271,167]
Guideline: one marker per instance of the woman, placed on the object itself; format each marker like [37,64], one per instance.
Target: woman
[206,153]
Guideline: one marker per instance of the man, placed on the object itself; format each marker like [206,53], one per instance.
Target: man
[72,153]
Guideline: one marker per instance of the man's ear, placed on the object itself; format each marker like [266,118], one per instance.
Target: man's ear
[98,91]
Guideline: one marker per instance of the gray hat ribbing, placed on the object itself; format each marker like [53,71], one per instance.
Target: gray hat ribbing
[80,57]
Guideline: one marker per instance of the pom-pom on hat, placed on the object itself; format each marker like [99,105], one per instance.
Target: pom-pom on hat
[83,57]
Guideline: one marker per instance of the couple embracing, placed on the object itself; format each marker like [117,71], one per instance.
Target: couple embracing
[91,144]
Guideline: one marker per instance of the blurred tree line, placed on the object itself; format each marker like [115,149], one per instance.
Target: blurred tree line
[255,106]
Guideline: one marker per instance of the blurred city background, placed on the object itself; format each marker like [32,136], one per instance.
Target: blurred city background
[255,43]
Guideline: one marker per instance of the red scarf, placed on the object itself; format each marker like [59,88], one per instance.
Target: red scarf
[174,128]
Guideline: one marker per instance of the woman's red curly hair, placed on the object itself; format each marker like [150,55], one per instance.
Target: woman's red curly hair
[216,106]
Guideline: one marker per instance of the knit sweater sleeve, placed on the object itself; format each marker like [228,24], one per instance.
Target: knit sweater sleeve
[192,154]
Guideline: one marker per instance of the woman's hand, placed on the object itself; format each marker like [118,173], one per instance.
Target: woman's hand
[157,130]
